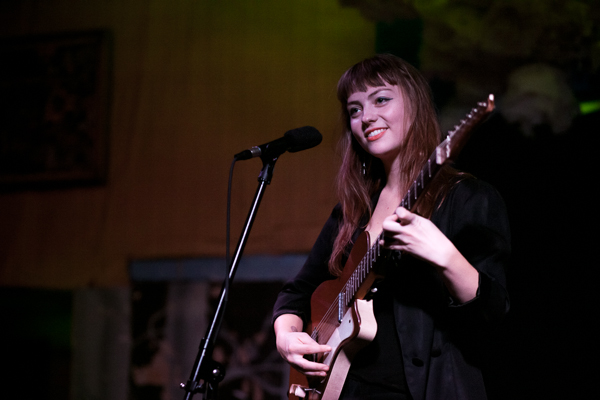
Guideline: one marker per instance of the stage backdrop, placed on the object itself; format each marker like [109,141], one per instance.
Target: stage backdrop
[191,83]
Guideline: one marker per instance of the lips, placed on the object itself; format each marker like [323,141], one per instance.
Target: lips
[375,134]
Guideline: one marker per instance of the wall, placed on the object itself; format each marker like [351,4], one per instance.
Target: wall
[194,82]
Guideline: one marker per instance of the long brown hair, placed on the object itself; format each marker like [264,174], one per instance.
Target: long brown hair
[356,189]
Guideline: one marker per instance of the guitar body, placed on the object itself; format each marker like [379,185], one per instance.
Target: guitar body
[357,329]
[346,337]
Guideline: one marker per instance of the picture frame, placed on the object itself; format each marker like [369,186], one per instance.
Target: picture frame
[54,110]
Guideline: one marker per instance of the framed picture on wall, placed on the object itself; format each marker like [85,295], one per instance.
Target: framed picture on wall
[54,110]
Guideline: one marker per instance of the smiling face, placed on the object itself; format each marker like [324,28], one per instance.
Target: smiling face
[379,121]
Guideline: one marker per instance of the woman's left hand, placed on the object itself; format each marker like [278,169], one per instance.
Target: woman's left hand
[413,234]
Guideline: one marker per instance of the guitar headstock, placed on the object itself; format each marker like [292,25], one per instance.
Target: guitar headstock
[457,137]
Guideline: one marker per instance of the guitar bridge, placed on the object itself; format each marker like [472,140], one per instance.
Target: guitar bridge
[302,392]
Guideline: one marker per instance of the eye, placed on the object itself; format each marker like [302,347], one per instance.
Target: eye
[382,100]
[353,111]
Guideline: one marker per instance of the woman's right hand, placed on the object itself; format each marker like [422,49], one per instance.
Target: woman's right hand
[293,345]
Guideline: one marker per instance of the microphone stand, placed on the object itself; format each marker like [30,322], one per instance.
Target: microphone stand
[205,369]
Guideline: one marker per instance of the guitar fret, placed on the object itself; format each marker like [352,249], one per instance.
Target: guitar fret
[374,251]
[363,272]
[349,290]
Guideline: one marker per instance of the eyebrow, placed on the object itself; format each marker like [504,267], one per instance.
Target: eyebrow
[371,95]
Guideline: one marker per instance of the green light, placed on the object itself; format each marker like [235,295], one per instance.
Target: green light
[587,107]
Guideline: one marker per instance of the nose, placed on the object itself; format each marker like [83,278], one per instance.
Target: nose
[368,115]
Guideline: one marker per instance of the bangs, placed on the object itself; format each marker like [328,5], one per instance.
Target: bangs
[369,73]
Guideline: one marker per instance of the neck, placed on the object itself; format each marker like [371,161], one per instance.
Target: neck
[394,181]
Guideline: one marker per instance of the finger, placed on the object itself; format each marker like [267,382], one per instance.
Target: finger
[311,368]
[405,217]
[392,245]
[391,226]
[311,373]
[391,230]
[392,218]
[309,348]
[315,373]
[306,363]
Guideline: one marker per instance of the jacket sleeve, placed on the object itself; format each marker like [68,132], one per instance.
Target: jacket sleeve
[473,216]
[295,296]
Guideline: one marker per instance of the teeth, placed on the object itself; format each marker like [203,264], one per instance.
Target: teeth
[376,132]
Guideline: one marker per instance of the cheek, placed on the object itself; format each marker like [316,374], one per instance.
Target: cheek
[355,127]
[359,137]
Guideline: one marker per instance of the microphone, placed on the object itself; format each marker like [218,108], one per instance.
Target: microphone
[293,140]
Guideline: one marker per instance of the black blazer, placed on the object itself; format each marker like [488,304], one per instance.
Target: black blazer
[440,340]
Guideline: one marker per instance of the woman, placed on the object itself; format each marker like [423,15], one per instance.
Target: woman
[434,305]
